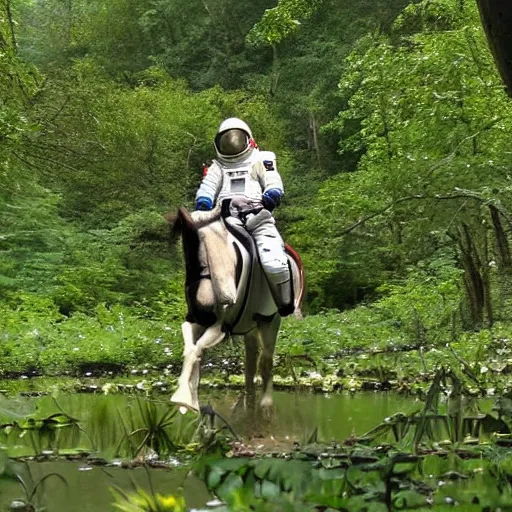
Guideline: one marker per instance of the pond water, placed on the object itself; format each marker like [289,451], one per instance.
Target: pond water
[105,420]
[88,487]
[296,416]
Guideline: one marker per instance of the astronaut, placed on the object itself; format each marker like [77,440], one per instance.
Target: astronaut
[250,179]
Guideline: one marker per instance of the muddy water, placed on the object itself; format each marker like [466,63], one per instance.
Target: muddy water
[297,415]
[105,419]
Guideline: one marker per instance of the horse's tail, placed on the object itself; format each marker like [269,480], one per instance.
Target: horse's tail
[299,280]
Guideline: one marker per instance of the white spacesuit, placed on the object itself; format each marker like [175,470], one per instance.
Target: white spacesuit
[249,177]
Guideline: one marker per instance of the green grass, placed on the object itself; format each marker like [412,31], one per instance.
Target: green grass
[326,351]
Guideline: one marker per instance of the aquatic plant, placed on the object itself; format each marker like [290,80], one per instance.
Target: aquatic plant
[446,452]
[154,433]
[141,501]
[21,473]
[43,429]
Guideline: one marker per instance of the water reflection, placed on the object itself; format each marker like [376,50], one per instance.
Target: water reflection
[296,415]
[106,419]
[89,491]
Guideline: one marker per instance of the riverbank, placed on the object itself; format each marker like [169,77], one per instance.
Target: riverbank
[328,352]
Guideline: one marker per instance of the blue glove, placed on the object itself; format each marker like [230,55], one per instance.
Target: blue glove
[204,203]
[271,198]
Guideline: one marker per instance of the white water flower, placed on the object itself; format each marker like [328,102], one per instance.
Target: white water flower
[108,388]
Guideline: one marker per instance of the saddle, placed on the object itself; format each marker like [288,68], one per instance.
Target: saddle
[239,232]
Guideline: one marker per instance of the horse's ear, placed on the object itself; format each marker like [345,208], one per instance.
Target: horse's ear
[174,222]
[186,218]
[179,223]
[170,218]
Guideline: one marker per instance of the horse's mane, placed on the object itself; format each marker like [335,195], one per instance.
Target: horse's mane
[205,245]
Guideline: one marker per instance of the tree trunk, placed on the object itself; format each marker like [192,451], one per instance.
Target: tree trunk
[497,20]
[485,270]
[473,280]
[8,13]
[503,257]
[274,78]
[313,130]
[502,245]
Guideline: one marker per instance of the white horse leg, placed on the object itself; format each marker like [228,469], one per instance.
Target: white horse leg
[252,341]
[183,395]
[186,394]
[191,333]
[268,333]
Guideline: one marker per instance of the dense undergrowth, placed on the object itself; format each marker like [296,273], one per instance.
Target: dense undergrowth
[371,347]
[392,138]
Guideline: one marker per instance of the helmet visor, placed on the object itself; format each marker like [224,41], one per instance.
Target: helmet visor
[232,142]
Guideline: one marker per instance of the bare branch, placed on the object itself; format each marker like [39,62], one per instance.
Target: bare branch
[26,162]
[64,150]
[458,194]
[370,216]
[50,160]
[60,110]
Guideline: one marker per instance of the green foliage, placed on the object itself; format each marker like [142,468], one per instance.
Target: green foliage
[22,474]
[281,21]
[423,306]
[154,432]
[19,84]
[36,336]
[426,112]
[44,430]
[141,501]
[432,458]
[418,309]
[393,138]
[357,479]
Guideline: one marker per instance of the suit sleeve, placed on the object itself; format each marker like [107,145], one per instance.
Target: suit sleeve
[272,177]
[211,184]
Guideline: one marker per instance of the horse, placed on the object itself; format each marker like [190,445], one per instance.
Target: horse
[227,294]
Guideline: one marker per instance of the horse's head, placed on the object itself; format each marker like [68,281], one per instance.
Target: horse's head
[209,258]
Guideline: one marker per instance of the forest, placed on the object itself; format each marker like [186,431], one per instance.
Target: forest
[393,134]
[391,127]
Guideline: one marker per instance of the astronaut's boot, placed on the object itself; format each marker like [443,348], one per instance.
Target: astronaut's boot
[283,297]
